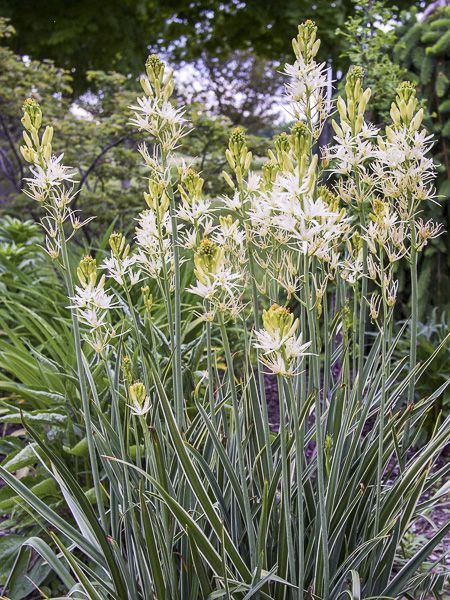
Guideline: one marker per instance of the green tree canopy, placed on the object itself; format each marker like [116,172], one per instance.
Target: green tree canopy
[88,34]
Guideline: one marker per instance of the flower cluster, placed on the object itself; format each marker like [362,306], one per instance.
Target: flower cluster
[52,183]
[217,282]
[405,173]
[281,350]
[93,304]
[154,112]
[121,265]
[307,88]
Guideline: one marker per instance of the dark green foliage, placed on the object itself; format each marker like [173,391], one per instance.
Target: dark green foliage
[116,35]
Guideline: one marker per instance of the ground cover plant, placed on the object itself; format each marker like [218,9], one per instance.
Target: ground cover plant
[187,491]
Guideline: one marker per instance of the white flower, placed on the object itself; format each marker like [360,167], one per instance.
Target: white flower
[121,268]
[224,281]
[92,296]
[281,350]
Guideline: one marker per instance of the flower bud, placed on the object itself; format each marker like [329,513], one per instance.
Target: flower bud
[208,259]
[32,114]
[154,67]
[117,243]
[279,319]
[87,271]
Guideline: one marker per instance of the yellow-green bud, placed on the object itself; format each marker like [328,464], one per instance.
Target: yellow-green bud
[154,67]
[406,90]
[126,369]
[147,297]
[306,44]
[193,183]
[138,393]
[87,271]
[117,244]
[238,137]
[330,199]
[279,320]
[269,173]
[32,114]
[282,150]
[208,259]
[300,138]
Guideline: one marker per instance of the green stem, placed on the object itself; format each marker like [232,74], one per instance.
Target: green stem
[285,477]
[256,320]
[382,405]
[362,316]
[177,366]
[82,382]
[299,437]
[413,330]
[239,442]
[209,356]
[315,364]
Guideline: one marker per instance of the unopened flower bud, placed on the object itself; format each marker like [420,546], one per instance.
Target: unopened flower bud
[208,259]
[32,114]
[155,68]
[147,297]
[87,271]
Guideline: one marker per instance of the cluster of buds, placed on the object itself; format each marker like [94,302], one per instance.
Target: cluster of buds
[139,399]
[306,45]
[300,141]
[281,350]
[351,112]
[217,283]
[93,304]
[154,112]
[35,151]
[307,88]
[51,184]
[147,298]
[160,82]
[403,110]
[238,156]
[120,263]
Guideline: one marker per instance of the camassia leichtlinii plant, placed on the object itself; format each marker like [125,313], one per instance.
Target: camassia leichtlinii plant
[197,494]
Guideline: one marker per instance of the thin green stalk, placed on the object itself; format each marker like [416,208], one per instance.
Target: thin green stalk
[299,437]
[82,380]
[362,315]
[137,334]
[383,332]
[209,356]
[285,477]
[256,320]
[239,443]
[177,365]
[413,330]
[315,364]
